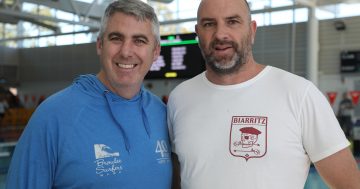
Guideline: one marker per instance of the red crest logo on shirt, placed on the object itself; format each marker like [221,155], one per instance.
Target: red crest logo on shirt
[248,136]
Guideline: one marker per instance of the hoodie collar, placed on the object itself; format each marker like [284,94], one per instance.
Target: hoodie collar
[92,85]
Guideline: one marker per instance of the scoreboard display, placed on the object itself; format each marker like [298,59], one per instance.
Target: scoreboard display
[350,61]
[180,57]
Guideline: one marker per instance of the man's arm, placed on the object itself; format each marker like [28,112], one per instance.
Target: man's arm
[176,172]
[340,170]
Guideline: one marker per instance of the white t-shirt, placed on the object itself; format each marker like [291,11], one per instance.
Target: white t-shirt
[259,134]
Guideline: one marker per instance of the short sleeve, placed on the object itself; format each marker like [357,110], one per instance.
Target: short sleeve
[322,135]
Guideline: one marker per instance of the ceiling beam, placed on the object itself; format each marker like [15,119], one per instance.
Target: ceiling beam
[308,3]
[163,1]
[92,10]
[39,18]
[47,35]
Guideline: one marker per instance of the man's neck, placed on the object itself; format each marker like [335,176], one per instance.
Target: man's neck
[125,91]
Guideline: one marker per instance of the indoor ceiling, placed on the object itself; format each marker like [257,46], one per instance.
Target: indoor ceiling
[90,13]
[319,2]
[328,2]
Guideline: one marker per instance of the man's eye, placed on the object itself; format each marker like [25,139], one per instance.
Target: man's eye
[115,38]
[140,42]
[231,22]
[208,24]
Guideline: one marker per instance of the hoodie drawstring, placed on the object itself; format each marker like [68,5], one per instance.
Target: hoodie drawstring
[126,140]
[145,118]
[143,113]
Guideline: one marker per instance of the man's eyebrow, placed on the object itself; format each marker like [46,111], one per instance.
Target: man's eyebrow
[114,34]
[135,36]
[206,19]
[236,17]
[142,36]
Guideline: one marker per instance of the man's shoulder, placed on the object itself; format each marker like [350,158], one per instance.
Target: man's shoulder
[151,98]
[287,77]
[65,100]
[189,83]
[62,96]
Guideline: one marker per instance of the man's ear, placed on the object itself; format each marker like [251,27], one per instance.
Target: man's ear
[253,28]
[99,45]
[157,50]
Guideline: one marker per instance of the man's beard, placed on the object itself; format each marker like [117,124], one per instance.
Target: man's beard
[226,65]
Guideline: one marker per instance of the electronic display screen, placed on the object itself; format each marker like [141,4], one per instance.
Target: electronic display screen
[350,61]
[180,57]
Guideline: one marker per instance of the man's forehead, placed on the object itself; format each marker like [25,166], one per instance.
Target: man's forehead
[224,3]
[222,8]
[138,26]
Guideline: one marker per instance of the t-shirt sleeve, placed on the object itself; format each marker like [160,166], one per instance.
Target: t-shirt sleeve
[33,163]
[322,134]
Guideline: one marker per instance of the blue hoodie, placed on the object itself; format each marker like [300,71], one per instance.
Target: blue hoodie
[85,136]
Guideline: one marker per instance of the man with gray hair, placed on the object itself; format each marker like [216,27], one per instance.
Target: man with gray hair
[104,130]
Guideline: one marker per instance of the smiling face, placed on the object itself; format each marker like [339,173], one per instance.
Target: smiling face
[127,50]
[225,34]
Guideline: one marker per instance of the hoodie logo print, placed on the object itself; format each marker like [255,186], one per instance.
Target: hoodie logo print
[163,151]
[107,161]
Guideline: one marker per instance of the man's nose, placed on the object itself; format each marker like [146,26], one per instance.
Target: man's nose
[126,49]
[221,32]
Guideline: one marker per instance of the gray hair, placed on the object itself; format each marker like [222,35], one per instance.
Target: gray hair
[140,10]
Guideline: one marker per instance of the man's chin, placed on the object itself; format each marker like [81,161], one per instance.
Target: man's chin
[223,61]
[222,56]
